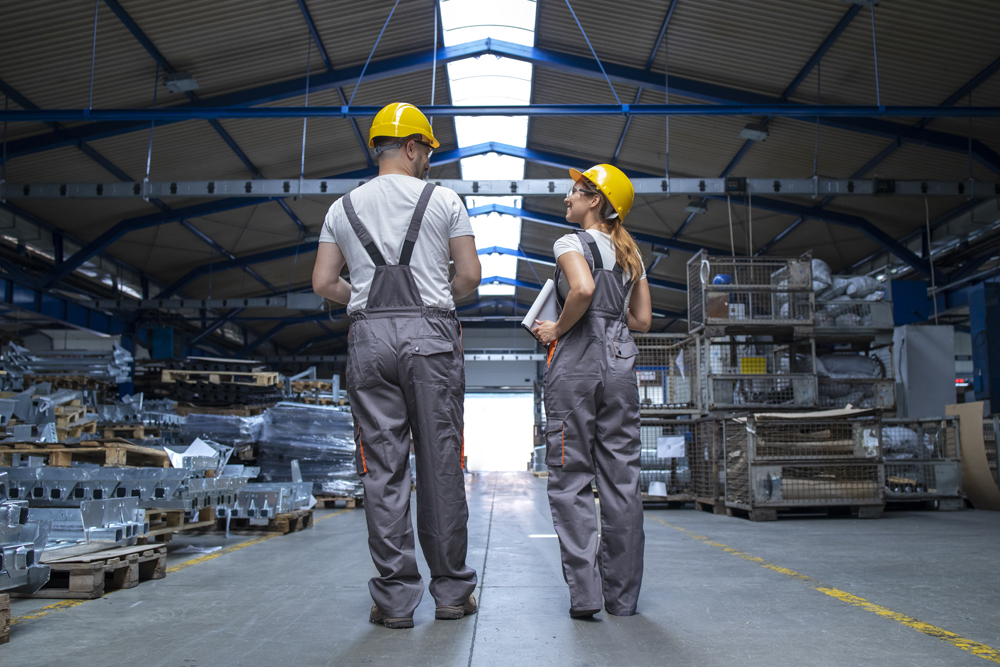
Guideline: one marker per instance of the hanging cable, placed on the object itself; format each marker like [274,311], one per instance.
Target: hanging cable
[363,69]
[732,240]
[878,95]
[930,257]
[305,119]
[3,164]
[434,61]
[971,177]
[582,32]
[152,124]
[666,100]
[530,266]
[819,97]
[93,57]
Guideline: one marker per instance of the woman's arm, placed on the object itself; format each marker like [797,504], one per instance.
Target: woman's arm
[581,292]
[640,308]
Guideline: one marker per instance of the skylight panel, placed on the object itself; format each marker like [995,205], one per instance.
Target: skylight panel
[491,81]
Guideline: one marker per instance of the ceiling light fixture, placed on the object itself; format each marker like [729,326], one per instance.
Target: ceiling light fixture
[697,208]
[181,82]
[755,131]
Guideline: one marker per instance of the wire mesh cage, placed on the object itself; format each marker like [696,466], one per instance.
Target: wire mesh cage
[860,380]
[758,355]
[705,460]
[807,439]
[849,318]
[667,373]
[749,291]
[923,460]
[664,455]
[760,392]
[931,439]
[811,484]
[991,436]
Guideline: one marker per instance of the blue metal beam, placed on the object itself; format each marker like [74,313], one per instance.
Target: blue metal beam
[237,263]
[221,250]
[739,101]
[69,313]
[142,222]
[207,331]
[271,333]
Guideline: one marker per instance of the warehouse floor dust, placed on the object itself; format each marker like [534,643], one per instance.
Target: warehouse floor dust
[716,591]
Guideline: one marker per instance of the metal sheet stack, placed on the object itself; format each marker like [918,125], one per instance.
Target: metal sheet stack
[21,543]
[109,366]
[320,437]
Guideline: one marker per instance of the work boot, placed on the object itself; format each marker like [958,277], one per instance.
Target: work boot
[449,613]
[394,622]
[583,613]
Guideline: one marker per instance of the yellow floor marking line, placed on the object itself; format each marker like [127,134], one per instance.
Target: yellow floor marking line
[69,604]
[958,641]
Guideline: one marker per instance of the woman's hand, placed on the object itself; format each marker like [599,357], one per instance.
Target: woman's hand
[545,332]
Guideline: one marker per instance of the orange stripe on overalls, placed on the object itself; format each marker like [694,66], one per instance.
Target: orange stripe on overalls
[361,446]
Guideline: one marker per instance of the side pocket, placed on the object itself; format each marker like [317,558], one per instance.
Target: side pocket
[555,441]
[625,349]
[361,363]
[359,451]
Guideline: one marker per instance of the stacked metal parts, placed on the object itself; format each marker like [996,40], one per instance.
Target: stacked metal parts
[321,438]
[103,366]
[785,461]
[21,543]
[263,501]
[221,382]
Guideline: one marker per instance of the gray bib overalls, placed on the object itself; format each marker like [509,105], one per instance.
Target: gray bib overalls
[406,372]
[592,430]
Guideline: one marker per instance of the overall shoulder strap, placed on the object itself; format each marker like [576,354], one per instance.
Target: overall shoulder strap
[362,232]
[414,230]
[590,250]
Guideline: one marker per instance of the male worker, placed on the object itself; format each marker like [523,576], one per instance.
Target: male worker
[405,365]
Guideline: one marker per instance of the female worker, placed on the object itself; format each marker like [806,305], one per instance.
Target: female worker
[591,396]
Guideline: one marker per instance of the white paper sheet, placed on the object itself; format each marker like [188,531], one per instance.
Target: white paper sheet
[658,489]
[670,446]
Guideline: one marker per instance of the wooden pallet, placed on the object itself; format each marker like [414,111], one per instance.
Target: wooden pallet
[163,524]
[91,576]
[185,409]
[542,474]
[107,453]
[133,431]
[77,430]
[299,386]
[263,379]
[74,382]
[772,513]
[290,522]
[4,618]
[70,414]
[710,505]
[329,502]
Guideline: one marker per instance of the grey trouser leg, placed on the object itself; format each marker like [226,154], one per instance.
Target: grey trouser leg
[393,388]
[592,430]
[616,454]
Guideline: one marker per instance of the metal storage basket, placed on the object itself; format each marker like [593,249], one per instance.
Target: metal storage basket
[805,439]
[705,456]
[923,460]
[749,292]
[673,472]
[991,437]
[877,392]
[760,392]
[852,319]
[751,372]
[667,373]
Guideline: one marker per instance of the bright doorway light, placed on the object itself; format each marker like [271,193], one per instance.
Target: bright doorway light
[499,431]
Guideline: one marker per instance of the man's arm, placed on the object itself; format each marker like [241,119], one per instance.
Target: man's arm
[326,274]
[468,272]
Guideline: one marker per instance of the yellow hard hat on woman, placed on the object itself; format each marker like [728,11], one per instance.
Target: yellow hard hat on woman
[615,185]
[400,119]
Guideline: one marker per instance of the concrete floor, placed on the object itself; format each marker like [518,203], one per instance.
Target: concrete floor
[302,599]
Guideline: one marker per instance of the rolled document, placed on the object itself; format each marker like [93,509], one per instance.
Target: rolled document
[545,308]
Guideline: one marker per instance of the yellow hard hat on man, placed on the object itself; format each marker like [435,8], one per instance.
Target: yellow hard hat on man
[400,120]
[615,185]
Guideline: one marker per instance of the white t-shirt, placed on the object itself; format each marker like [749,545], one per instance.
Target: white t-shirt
[385,205]
[571,242]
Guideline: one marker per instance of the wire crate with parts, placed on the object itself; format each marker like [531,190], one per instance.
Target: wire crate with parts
[774,464]
[991,438]
[705,459]
[844,320]
[667,374]
[857,379]
[923,461]
[743,294]
[755,372]
[666,436]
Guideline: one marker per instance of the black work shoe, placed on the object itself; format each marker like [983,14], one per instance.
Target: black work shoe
[393,622]
[583,613]
[450,613]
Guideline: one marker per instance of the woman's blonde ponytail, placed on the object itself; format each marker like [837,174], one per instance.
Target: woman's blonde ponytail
[626,251]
